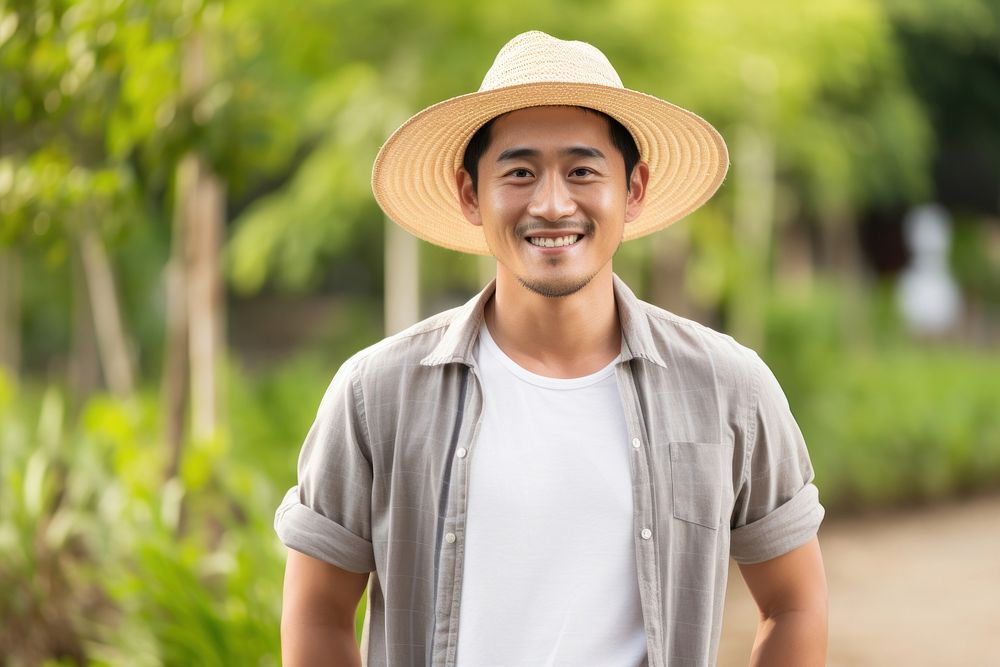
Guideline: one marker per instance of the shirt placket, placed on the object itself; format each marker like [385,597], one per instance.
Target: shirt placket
[453,548]
[644,523]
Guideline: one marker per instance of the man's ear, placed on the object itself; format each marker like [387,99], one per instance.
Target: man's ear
[636,200]
[468,200]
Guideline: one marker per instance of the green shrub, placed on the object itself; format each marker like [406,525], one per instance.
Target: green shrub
[888,420]
[103,562]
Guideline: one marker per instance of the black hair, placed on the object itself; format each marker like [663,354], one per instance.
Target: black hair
[620,138]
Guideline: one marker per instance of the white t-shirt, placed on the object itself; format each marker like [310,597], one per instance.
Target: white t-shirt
[549,567]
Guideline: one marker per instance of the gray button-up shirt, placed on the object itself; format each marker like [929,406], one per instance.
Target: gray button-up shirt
[719,470]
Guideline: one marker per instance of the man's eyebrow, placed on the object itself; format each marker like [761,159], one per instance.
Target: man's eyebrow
[517,154]
[582,151]
[572,151]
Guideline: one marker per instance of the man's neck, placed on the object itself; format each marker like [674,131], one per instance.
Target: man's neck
[562,337]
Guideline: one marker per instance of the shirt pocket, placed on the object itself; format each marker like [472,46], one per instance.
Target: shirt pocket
[698,472]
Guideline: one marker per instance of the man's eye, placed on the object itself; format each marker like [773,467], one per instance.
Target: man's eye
[519,173]
[580,172]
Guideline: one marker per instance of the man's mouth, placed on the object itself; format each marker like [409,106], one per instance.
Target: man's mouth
[554,242]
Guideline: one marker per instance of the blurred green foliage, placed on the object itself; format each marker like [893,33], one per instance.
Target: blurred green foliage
[888,421]
[304,99]
[104,562]
[103,559]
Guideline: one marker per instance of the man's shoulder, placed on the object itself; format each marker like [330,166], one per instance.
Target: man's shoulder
[408,347]
[698,356]
[676,336]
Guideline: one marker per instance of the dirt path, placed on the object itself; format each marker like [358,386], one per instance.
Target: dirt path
[914,589]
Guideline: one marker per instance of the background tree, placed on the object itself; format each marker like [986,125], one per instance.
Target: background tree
[110,149]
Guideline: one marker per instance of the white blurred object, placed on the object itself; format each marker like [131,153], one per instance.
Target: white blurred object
[928,295]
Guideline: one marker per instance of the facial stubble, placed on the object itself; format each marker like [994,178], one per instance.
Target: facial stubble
[559,289]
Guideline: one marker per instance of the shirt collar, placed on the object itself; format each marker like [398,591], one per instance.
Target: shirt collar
[458,343]
[637,335]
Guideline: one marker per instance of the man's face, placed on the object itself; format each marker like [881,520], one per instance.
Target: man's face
[551,197]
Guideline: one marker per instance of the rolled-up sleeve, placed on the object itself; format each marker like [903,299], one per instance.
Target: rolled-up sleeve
[327,515]
[777,507]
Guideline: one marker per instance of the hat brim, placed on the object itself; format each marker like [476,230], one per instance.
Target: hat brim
[413,178]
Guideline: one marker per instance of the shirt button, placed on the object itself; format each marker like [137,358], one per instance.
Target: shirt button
[636,443]
[461,452]
[646,533]
[450,538]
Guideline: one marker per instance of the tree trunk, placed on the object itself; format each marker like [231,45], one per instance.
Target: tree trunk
[10,311]
[843,260]
[840,243]
[671,249]
[84,373]
[175,359]
[402,278]
[752,230]
[195,315]
[793,261]
[197,302]
[116,360]
[204,297]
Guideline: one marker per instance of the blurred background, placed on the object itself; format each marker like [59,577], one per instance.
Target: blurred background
[189,249]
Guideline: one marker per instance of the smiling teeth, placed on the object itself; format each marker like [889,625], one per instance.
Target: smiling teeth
[557,242]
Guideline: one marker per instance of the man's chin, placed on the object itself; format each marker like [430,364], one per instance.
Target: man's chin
[555,288]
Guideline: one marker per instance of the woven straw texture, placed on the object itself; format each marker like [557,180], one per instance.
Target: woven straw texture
[413,178]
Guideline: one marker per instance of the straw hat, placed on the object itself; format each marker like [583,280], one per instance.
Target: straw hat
[413,178]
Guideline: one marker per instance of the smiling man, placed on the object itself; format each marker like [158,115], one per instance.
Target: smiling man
[552,194]
[555,473]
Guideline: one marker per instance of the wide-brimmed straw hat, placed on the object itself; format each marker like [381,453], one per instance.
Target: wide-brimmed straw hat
[413,178]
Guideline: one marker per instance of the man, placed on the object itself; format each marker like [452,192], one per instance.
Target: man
[555,473]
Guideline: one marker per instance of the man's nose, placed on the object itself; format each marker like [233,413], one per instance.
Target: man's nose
[551,200]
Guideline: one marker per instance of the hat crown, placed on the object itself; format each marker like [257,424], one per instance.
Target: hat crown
[535,57]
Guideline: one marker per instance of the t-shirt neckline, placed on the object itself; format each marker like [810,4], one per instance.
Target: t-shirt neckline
[488,344]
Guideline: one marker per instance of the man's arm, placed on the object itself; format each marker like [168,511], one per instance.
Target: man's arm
[791,593]
[317,613]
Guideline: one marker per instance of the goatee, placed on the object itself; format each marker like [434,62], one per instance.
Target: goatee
[556,289]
